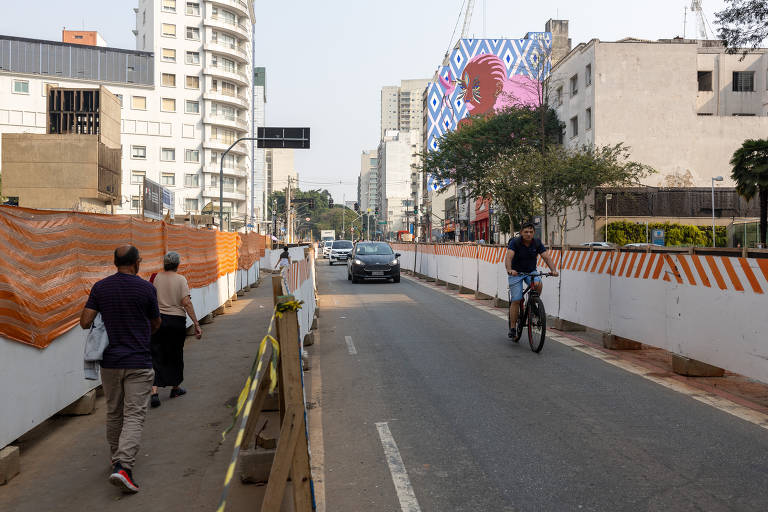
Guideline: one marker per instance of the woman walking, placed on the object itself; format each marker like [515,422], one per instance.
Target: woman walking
[168,342]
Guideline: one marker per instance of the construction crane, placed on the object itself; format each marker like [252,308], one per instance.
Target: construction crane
[701,23]
[467,18]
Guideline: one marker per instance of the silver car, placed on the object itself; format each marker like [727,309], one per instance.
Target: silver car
[339,251]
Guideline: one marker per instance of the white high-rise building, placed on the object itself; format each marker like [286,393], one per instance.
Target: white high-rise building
[369,181]
[186,97]
[259,175]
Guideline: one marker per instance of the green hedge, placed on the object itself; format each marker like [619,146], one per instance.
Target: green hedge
[622,233]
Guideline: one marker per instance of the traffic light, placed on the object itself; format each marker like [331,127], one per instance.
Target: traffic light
[357,207]
[415,210]
[330,202]
[377,210]
[311,204]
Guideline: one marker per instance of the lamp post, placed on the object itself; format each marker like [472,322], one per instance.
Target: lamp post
[716,178]
[607,197]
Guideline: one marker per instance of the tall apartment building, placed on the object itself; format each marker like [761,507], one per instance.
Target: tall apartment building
[394,180]
[369,181]
[185,95]
[258,155]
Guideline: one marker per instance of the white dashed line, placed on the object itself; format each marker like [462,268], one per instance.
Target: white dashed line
[350,345]
[408,502]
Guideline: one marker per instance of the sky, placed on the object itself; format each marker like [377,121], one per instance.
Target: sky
[326,61]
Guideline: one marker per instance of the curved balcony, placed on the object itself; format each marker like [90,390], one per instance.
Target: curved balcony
[237,6]
[238,30]
[240,172]
[240,148]
[236,53]
[232,196]
[241,101]
[232,76]
[229,122]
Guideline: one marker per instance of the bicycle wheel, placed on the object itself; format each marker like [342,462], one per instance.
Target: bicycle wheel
[537,324]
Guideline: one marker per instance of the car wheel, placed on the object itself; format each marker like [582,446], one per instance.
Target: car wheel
[396,279]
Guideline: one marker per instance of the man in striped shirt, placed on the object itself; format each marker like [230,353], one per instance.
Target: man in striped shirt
[128,306]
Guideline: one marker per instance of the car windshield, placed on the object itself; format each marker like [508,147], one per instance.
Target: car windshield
[342,244]
[374,248]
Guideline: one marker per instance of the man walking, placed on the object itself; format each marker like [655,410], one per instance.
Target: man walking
[128,306]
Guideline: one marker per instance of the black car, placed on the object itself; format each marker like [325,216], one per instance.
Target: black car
[373,260]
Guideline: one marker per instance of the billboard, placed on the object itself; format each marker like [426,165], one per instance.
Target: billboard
[481,76]
[152,200]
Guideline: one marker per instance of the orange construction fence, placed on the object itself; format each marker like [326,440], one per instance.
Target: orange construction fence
[52,258]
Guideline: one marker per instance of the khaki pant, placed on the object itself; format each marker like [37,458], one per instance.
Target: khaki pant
[127,393]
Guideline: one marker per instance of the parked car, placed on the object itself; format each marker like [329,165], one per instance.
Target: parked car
[638,244]
[327,249]
[373,260]
[599,244]
[339,251]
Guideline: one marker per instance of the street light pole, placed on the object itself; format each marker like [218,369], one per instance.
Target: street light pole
[716,178]
[607,197]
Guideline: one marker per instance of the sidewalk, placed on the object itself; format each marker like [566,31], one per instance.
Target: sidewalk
[65,461]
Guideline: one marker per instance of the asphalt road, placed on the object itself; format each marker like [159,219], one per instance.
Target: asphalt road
[482,424]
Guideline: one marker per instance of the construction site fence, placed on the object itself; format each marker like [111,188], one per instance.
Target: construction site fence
[706,304]
[51,259]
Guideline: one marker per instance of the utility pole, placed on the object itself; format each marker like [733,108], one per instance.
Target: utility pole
[288,213]
[343,215]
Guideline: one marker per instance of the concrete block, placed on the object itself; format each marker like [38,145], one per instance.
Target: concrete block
[452,286]
[466,291]
[207,319]
[234,297]
[481,295]
[613,342]
[255,465]
[306,362]
[309,339]
[692,368]
[219,310]
[565,325]
[10,463]
[430,279]
[317,311]
[314,323]
[240,293]
[228,304]
[500,303]
[83,405]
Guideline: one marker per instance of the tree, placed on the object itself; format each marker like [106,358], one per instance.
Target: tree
[743,24]
[750,172]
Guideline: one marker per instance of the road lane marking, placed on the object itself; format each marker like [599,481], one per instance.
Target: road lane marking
[408,502]
[350,345]
[317,458]
[723,404]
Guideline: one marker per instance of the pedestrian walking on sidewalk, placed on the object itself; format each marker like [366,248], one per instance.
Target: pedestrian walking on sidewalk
[168,342]
[128,306]
[284,260]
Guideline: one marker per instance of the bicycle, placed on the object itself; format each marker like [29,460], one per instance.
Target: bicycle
[532,315]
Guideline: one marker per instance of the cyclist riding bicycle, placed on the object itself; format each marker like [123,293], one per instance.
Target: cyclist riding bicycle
[522,252]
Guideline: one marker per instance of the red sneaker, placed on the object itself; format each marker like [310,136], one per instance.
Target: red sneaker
[123,478]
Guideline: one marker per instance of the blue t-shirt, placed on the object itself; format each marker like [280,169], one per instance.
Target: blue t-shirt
[127,303]
[525,256]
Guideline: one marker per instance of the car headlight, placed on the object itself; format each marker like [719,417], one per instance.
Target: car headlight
[359,262]
[394,262]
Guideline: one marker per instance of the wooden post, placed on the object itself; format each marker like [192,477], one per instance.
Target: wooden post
[277,287]
[292,455]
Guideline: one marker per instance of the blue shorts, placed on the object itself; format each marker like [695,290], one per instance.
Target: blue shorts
[516,286]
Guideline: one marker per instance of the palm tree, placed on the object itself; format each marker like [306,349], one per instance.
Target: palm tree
[750,172]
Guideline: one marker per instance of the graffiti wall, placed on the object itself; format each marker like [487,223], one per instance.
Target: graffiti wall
[482,76]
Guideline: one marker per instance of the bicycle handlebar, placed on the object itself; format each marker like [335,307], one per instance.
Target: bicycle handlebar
[535,274]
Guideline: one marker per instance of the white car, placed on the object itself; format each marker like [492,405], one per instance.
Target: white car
[339,251]
[327,249]
[599,244]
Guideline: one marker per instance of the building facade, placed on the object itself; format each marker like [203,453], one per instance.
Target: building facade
[394,181]
[185,95]
[369,181]
[280,168]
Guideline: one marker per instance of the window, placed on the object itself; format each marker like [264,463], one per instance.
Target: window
[139,103]
[559,95]
[574,126]
[137,177]
[168,105]
[193,33]
[588,119]
[169,30]
[169,5]
[192,107]
[167,154]
[227,40]
[743,115]
[223,135]
[190,205]
[193,82]
[168,79]
[743,81]
[588,75]
[120,99]
[704,114]
[193,58]
[139,152]
[135,202]
[21,86]
[229,184]
[574,85]
[228,89]
[192,155]
[169,55]
[193,9]
[192,180]
[705,80]
[224,110]
[168,178]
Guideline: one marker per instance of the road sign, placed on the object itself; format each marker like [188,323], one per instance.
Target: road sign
[152,199]
[382,223]
[657,237]
[291,138]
